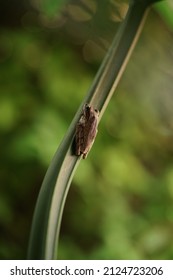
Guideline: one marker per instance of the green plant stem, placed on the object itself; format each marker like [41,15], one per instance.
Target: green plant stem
[50,204]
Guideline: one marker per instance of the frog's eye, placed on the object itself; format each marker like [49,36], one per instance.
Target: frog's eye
[87,107]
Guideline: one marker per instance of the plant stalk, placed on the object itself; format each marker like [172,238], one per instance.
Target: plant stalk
[50,204]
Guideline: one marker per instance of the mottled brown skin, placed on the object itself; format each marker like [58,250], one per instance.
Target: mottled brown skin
[86,130]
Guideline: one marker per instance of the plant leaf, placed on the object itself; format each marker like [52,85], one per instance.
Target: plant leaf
[50,203]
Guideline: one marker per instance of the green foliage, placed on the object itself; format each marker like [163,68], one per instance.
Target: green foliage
[120,202]
[49,8]
[166,10]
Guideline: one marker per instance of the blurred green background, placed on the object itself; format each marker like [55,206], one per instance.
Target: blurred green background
[120,204]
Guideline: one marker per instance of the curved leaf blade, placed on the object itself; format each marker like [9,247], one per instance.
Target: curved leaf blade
[50,203]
